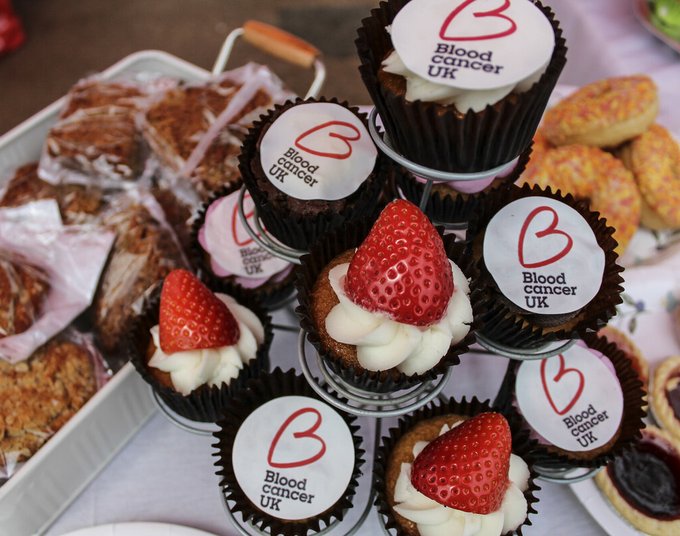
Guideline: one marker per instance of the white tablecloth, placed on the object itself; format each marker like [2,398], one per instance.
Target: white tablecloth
[166,474]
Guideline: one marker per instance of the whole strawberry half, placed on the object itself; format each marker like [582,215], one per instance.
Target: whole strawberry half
[467,467]
[401,268]
[192,317]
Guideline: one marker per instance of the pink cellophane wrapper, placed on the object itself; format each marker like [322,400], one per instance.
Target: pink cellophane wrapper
[71,256]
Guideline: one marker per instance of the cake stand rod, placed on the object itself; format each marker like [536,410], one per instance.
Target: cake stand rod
[542,352]
[561,475]
[261,236]
[242,526]
[411,400]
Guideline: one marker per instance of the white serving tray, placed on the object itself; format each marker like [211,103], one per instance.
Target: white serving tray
[32,499]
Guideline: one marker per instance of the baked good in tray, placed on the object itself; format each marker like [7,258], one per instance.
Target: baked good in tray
[176,123]
[96,136]
[77,203]
[144,252]
[39,395]
[23,289]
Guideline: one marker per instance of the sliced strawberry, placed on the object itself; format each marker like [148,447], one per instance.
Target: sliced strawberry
[467,467]
[401,268]
[192,317]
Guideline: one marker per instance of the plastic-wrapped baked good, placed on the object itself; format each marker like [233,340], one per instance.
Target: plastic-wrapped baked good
[144,252]
[23,289]
[39,395]
[77,203]
[96,138]
[193,129]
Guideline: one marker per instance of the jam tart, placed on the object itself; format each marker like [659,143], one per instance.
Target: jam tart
[666,396]
[643,484]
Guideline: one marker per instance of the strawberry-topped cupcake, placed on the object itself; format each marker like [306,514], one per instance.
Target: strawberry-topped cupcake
[192,345]
[455,469]
[390,305]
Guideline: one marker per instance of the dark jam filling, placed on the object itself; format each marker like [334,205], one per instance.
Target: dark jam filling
[674,399]
[648,478]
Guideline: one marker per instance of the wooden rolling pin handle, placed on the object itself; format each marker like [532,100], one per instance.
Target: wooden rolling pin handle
[280,43]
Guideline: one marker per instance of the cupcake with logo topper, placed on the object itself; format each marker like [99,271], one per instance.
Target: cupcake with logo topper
[460,86]
[486,488]
[223,249]
[310,166]
[391,304]
[548,263]
[288,462]
[583,406]
[194,346]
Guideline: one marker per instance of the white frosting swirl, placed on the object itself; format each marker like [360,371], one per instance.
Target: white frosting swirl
[434,519]
[383,343]
[192,368]
[418,88]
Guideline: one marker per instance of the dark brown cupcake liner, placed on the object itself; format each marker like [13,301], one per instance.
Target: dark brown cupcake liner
[454,207]
[350,237]
[633,409]
[506,323]
[521,446]
[270,294]
[206,403]
[439,136]
[300,231]
[257,392]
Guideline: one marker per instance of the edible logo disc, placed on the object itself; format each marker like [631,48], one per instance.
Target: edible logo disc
[317,151]
[230,245]
[473,44]
[573,400]
[293,457]
[543,256]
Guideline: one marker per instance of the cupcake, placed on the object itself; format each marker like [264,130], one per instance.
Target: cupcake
[310,165]
[643,484]
[224,250]
[455,468]
[456,91]
[583,406]
[194,346]
[287,461]
[388,306]
[548,263]
[447,202]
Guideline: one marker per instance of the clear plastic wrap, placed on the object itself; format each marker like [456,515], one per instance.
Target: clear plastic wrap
[39,395]
[77,203]
[145,251]
[23,289]
[96,139]
[195,134]
[71,257]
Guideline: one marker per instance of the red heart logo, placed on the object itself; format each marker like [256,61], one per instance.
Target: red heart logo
[460,12]
[330,130]
[236,222]
[304,434]
[561,373]
[551,230]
